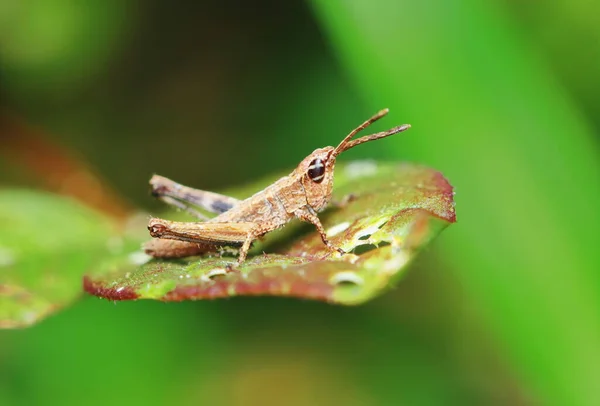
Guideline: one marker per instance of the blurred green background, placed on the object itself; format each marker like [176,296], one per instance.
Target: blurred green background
[504,99]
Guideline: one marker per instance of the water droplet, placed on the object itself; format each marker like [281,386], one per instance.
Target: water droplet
[212,273]
[346,277]
[338,228]
[139,258]
[359,169]
[7,257]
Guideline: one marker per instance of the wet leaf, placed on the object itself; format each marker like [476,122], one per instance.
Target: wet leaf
[395,210]
[46,244]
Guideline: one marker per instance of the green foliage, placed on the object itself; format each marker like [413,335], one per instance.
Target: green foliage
[395,210]
[46,244]
[504,99]
[53,44]
[522,157]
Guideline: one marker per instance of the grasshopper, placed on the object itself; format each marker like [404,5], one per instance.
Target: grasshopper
[301,194]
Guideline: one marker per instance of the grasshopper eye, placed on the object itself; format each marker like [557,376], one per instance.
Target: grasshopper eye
[316,170]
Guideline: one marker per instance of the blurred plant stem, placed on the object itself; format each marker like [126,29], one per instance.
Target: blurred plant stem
[55,168]
[521,158]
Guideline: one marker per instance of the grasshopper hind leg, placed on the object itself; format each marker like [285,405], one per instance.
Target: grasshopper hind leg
[207,235]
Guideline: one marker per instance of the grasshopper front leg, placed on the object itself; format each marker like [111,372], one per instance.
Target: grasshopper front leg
[308,214]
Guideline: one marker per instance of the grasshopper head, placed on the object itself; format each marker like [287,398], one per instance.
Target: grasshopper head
[316,170]
[316,174]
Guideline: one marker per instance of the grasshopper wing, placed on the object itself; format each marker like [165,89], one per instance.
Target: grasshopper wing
[182,197]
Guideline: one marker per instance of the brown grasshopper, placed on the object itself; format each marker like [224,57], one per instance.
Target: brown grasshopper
[301,194]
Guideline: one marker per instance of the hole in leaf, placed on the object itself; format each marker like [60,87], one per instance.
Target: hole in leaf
[364,237]
[364,248]
[381,225]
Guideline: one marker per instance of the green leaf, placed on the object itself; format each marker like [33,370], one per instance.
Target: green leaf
[395,210]
[492,113]
[46,244]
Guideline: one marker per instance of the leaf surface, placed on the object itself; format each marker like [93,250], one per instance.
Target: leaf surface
[395,210]
[46,244]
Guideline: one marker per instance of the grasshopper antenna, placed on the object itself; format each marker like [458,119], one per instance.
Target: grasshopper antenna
[348,143]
